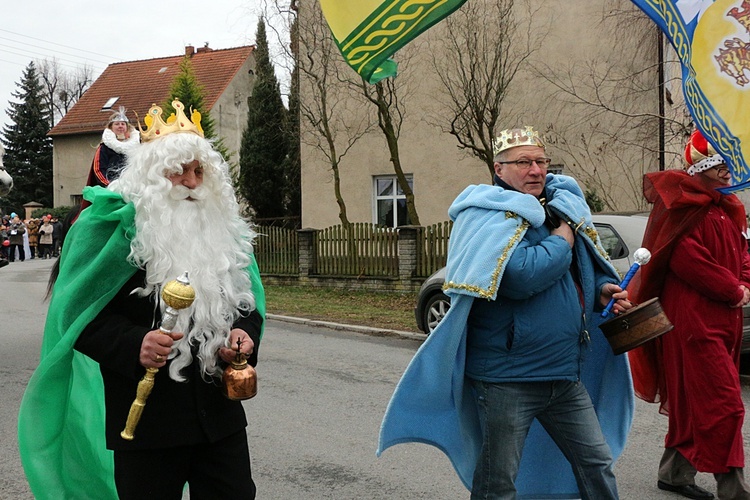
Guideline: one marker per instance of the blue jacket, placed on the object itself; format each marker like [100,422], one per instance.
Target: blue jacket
[433,402]
[535,329]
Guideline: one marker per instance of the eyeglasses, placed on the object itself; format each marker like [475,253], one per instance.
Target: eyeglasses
[525,163]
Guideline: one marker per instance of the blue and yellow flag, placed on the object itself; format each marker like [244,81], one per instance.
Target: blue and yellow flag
[368,32]
[712,40]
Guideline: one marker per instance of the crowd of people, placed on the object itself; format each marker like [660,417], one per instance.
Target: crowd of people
[32,238]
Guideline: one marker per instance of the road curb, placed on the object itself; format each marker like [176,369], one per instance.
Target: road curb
[383,332]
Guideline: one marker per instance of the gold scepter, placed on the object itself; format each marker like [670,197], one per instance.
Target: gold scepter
[177,294]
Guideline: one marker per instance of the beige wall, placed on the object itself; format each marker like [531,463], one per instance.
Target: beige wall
[579,44]
[440,172]
[71,162]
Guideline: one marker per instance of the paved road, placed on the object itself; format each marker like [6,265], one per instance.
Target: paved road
[314,424]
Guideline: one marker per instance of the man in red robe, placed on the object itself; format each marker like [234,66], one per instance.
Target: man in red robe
[700,270]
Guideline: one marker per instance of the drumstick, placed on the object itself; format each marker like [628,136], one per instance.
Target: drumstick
[641,257]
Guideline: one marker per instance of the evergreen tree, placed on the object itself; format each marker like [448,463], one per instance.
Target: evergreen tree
[191,93]
[293,163]
[28,150]
[264,141]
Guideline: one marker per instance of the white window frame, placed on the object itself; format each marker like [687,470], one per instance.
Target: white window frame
[395,196]
[110,102]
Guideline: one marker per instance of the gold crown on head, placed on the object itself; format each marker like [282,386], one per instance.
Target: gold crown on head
[157,127]
[512,137]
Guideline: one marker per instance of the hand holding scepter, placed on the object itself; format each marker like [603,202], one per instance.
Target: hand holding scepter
[641,257]
[177,294]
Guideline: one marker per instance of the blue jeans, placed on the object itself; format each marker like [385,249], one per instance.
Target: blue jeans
[506,412]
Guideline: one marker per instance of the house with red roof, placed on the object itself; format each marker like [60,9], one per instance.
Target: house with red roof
[226,75]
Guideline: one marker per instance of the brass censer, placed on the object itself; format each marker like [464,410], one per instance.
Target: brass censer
[240,381]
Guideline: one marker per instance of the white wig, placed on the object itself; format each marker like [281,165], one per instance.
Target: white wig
[206,237]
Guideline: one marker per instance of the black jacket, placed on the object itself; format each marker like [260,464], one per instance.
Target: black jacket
[176,414]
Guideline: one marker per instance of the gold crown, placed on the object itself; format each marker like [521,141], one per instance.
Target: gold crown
[512,137]
[157,127]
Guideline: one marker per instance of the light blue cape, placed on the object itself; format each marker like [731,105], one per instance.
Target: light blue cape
[433,402]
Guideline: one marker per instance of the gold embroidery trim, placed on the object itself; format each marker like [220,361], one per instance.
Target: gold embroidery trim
[488,293]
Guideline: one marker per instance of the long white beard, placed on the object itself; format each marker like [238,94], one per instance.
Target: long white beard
[174,235]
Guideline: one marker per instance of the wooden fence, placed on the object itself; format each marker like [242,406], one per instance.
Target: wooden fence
[433,253]
[357,250]
[277,250]
[360,249]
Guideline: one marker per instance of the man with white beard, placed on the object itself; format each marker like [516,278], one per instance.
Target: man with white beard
[172,210]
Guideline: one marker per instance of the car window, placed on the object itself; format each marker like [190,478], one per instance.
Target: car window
[611,241]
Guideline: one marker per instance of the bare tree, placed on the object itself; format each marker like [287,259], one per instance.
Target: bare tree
[476,64]
[387,97]
[333,103]
[331,112]
[629,110]
[63,88]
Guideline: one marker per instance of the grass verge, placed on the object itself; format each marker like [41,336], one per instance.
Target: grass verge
[387,310]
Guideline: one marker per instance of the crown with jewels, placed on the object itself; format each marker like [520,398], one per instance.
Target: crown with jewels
[510,138]
[177,122]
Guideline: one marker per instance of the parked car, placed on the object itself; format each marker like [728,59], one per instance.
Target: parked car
[621,236]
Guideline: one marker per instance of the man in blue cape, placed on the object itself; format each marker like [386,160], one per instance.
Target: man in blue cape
[520,345]
[172,210]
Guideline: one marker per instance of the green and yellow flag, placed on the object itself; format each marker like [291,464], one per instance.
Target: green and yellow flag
[368,32]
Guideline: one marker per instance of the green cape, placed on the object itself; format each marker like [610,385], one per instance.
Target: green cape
[61,419]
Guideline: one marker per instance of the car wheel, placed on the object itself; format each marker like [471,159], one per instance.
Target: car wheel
[435,310]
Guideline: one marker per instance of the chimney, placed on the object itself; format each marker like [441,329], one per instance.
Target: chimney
[205,48]
[189,50]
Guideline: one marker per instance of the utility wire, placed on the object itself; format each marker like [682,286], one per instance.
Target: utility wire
[74,63]
[45,48]
[61,45]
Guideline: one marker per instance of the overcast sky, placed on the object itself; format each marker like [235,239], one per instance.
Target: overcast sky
[79,32]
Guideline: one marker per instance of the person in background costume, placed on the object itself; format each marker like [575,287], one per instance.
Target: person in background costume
[118,139]
[172,201]
[525,272]
[700,270]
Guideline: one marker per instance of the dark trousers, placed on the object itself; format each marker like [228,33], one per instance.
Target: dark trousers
[45,251]
[214,471]
[12,252]
[675,469]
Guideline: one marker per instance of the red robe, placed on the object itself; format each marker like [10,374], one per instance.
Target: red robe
[699,260]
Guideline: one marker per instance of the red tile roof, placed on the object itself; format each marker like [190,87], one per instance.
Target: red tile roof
[139,84]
